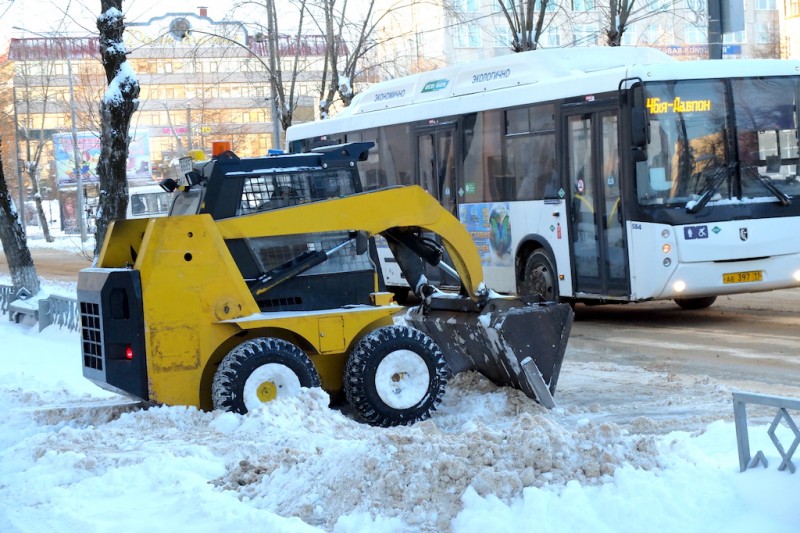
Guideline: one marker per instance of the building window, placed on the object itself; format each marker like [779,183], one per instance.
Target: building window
[652,33]
[468,36]
[508,4]
[553,37]
[583,5]
[659,6]
[766,5]
[629,36]
[765,32]
[793,8]
[696,5]
[694,35]
[502,37]
[584,35]
[537,6]
[737,37]
[468,6]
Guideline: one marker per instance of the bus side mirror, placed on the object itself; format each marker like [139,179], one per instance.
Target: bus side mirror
[639,130]
[640,134]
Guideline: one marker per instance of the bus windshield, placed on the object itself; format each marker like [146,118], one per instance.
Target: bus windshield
[715,142]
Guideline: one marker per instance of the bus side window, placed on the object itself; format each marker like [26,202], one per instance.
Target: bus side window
[540,179]
[137,204]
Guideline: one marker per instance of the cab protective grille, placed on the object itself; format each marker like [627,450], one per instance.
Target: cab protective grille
[91,340]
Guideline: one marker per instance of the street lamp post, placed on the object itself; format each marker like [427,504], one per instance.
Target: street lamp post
[21,206]
[75,152]
[189,128]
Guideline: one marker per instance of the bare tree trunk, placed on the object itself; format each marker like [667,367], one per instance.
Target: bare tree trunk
[32,168]
[619,15]
[119,103]
[329,86]
[613,35]
[43,222]
[520,18]
[15,244]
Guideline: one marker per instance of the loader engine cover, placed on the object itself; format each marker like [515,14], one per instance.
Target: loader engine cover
[510,341]
[112,330]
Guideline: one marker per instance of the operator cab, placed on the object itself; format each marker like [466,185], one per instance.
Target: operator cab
[229,186]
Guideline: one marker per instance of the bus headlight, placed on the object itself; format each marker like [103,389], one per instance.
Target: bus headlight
[679,286]
[667,261]
[797,275]
[666,248]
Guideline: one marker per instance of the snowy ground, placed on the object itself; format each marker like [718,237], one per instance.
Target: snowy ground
[76,458]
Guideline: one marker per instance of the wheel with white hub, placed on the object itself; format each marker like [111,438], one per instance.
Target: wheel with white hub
[395,375]
[259,371]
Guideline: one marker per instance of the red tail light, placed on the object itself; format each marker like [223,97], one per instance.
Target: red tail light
[128,352]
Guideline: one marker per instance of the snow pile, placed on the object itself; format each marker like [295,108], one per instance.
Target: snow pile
[416,474]
[78,458]
[299,458]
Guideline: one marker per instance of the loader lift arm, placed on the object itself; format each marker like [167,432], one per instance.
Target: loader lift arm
[374,212]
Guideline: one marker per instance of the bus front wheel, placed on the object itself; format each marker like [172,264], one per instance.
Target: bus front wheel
[695,303]
[539,277]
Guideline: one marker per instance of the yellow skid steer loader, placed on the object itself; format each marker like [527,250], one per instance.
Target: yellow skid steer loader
[263,280]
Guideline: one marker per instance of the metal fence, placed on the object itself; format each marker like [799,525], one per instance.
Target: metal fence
[740,401]
[6,296]
[53,310]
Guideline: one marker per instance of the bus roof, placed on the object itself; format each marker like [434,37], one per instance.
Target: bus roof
[501,72]
[506,81]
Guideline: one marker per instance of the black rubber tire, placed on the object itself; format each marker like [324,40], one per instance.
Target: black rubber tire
[363,392]
[539,277]
[695,303]
[228,385]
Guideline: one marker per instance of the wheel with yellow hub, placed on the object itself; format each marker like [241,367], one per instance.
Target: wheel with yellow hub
[395,375]
[259,371]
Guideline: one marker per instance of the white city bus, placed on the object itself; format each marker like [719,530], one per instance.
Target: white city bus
[598,174]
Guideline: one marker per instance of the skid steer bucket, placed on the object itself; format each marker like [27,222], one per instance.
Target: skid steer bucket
[509,341]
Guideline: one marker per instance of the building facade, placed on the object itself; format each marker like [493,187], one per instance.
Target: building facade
[200,81]
[790,27]
[478,28]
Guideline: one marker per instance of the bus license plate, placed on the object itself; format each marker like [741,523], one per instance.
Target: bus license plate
[743,277]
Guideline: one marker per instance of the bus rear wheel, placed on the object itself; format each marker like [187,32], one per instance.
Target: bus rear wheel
[539,277]
[695,303]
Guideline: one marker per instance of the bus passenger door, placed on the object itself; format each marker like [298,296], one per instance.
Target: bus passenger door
[598,246]
[436,164]
[436,174]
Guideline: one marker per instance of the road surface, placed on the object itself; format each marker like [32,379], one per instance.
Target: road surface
[652,360]
[54,264]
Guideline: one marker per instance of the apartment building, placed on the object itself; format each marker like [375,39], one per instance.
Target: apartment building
[790,27]
[479,29]
[201,80]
